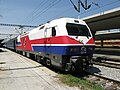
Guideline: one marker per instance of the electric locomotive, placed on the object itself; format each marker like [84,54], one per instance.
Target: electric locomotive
[65,43]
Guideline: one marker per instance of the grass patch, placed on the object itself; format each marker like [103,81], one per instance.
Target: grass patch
[83,84]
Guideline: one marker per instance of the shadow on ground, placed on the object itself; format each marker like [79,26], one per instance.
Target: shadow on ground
[21,68]
[2,50]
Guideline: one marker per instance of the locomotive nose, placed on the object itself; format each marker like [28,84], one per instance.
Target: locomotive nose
[79,63]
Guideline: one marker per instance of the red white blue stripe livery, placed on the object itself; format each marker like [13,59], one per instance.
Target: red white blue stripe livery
[65,43]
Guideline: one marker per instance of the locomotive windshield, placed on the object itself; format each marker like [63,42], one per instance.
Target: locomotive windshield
[77,30]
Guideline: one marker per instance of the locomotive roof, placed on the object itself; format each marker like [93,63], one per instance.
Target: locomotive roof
[72,20]
[56,22]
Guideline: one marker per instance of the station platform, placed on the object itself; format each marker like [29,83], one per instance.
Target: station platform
[20,73]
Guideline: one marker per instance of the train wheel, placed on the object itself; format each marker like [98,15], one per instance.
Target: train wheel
[38,58]
[48,62]
[73,67]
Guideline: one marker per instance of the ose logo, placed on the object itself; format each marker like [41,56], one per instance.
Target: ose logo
[83,50]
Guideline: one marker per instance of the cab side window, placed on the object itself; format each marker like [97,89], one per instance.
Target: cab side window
[53,31]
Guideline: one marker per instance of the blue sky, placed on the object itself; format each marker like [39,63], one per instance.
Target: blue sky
[35,12]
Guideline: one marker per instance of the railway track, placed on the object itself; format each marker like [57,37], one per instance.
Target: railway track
[105,82]
[106,70]
[107,77]
[103,77]
[107,60]
[108,64]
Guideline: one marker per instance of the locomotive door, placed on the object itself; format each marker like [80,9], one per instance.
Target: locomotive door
[49,33]
[47,41]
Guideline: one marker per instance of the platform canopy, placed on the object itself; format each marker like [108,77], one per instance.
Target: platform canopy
[105,20]
[113,35]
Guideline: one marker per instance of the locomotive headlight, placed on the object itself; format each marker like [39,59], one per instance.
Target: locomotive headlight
[91,49]
[74,49]
[83,50]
